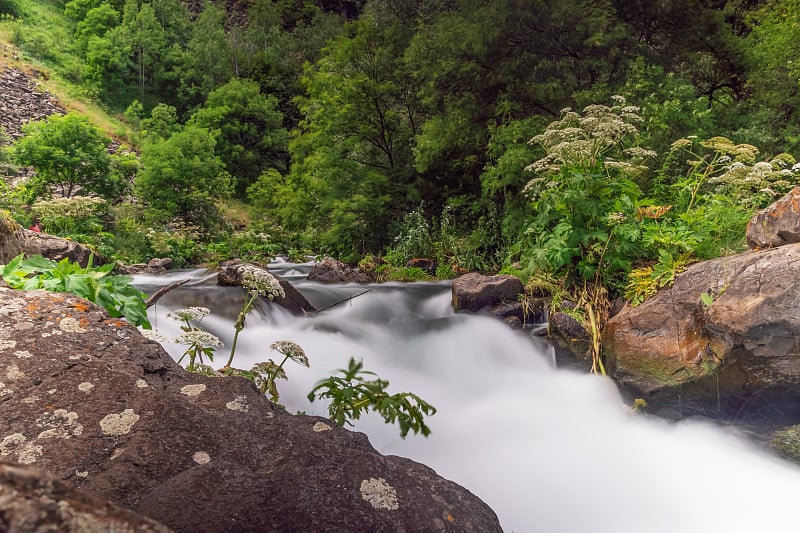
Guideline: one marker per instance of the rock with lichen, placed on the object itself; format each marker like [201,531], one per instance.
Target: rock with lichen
[33,500]
[89,399]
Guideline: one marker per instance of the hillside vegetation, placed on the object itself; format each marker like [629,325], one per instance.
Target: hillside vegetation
[596,147]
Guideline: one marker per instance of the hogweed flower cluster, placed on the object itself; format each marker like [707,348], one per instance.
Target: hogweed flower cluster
[734,170]
[597,136]
[261,282]
[190,313]
[200,342]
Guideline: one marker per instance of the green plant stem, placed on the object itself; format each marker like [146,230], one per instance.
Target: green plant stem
[239,325]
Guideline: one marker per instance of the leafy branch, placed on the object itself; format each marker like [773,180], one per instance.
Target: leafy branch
[354,393]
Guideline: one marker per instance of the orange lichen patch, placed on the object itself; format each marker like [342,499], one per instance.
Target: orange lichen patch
[114,322]
[450,518]
[81,306]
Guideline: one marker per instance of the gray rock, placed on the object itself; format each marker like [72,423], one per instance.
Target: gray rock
[776,225]
[329,270]
[56,248]
[33,500]
[230,276]
[23,102]
[15,240]
[90,400]
[475,292]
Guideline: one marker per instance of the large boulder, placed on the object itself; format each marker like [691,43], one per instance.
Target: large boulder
[89,399]
[329,270]
[776,225]
[727,333]
[475,292]
[15,240]
[230,275]
[57,248]
[33,500]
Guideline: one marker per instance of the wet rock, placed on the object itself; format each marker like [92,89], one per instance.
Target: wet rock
[33,500]
[475,292]
[776,225]
[230,275]
[744,346]
[90,400]
[160,264]
[329,270]
[570,338]
[786,442]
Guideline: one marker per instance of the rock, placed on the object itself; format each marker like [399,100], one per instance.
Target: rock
[33,500]
[428,265]
[476,292]
[15,240]
[56,248]
[571,340]
[742,349]
[160,264]
[776,225]
[518,314]
[786,442]
[329,270]
[22,102]
[90,400]
[10,238]
[230,275]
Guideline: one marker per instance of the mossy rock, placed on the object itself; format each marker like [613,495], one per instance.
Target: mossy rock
[8,226]
[787,443]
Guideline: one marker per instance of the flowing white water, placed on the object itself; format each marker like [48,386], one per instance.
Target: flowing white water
[549,450]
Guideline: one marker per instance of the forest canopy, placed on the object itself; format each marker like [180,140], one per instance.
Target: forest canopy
[574,138]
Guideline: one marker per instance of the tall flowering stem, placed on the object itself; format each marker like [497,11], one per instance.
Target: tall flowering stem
[200,342]
[258,282]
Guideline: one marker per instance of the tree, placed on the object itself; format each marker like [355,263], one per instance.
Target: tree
[251,137]
[182,177]
[354,152]
[209,62]
[69,154]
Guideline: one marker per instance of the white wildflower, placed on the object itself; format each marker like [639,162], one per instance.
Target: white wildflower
[152,335]
[291,350]
[190,313]
[198,338]
[261,281]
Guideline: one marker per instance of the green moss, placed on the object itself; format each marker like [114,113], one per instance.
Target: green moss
[8,225]
[787,443]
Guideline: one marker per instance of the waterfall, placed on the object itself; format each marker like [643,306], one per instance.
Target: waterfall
[548,449]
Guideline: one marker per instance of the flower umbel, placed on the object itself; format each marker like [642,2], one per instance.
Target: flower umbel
[190,313]
[198,337]
[261,281]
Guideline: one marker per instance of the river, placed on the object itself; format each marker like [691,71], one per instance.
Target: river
[549,449]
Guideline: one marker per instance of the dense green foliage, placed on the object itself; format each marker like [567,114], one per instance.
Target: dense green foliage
[70,155]
[96,284]
[599,143]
